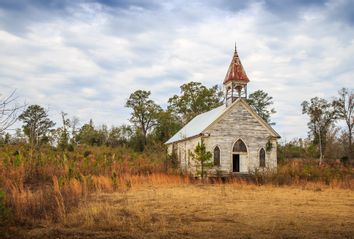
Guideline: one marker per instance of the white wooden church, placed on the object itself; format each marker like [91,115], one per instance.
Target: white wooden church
[238,138]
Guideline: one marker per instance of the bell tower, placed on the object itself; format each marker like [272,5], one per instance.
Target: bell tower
[235,83]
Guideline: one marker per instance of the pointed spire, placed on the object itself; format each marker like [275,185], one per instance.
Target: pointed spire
[236,71]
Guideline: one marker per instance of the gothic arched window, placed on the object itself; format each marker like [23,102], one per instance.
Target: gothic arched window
[262,158]
[239,146]
[216,156]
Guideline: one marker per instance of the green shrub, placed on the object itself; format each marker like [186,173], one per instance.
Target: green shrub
[344,159]
[71,148]
[87,153]
[4,211]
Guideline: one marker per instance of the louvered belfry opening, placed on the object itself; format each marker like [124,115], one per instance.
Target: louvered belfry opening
[235,82]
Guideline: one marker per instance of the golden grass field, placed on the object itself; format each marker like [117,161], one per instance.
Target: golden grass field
[184,210]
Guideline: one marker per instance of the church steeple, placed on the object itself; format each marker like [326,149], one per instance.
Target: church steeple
[235,82]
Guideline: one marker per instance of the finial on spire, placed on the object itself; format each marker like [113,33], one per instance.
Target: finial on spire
[236,71]
[235,53]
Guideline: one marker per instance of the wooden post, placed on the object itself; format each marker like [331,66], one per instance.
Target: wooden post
[232,92]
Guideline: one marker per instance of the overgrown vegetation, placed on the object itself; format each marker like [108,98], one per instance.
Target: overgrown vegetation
[50,183]
[46,172]
[301,172]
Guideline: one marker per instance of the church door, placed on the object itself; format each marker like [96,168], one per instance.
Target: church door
[235,163]
[239,152]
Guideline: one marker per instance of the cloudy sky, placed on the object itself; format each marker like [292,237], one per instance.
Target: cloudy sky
[86,57]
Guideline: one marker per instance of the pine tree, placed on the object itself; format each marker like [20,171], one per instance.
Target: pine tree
[202,158]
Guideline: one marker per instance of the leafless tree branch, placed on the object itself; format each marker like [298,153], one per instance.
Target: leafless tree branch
[9,111]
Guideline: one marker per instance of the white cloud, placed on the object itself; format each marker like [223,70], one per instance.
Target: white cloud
[87,58]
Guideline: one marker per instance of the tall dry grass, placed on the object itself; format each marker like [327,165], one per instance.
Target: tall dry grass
[53,183]
[302,172]
[49,184]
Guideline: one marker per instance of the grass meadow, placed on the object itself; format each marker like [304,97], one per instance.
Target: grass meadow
[98,192]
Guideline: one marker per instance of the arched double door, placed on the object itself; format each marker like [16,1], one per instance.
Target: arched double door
[239,153]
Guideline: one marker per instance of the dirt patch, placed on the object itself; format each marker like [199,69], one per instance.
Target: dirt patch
[212,211]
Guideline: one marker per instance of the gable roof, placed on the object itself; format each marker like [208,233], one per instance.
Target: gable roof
[197,125]
[205,120]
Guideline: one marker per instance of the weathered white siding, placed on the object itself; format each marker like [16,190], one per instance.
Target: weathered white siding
[183,150]
[239,123]
[236,123]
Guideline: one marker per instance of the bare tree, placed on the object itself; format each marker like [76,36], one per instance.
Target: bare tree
[344,106]
[74,128]
[322,115]
[9,110]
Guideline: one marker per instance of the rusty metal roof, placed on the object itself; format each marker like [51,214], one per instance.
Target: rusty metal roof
[236,71]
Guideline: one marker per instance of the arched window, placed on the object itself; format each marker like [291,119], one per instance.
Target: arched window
[216,156]
[239,146]
[262,158]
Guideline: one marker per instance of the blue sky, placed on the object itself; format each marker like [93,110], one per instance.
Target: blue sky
[86,57]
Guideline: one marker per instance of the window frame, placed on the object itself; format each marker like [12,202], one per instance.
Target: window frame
[242,148]
[262,161]
[217,162]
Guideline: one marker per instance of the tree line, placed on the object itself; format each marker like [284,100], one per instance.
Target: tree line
[323,117]
[330,129]
[150,125]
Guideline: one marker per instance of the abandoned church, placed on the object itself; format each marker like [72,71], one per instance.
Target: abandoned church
[238,138]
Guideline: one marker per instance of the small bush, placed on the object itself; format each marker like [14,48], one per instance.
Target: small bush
[87,153]
[4,211]
[344,159]
[71,148]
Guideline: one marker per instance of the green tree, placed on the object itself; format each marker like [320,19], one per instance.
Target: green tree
[74,129]
[19,137]
[119,136]
[137,141]
[37,124]
[167,125]
[344,106]
[145,111]
[322,116]
[87,135]
[261,102]
[6,139]
[64,136]
[102,134]
[194,99]
[126,133]
[202,158]
[114,136]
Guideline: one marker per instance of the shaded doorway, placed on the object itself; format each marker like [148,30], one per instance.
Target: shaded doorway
[235,163]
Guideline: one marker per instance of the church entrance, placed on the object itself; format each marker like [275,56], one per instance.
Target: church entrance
[235,163]
[239,152]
